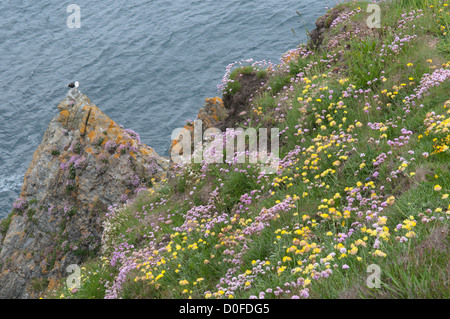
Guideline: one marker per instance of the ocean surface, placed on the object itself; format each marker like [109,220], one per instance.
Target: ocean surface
[147,64]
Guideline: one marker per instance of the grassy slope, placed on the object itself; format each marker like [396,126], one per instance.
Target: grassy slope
[222,231]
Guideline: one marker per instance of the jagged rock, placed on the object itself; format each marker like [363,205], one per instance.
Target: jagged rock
[86,162]
[239,102]
[321,36]
[323,23]
[220,114]
[212,115]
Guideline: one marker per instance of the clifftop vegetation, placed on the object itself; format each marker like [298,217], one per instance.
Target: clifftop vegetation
[364,178]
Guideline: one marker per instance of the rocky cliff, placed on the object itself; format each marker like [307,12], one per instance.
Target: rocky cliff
[220,114]
[86,162]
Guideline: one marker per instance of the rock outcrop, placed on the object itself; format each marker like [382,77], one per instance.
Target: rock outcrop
[212,115]
[323,24]
[86,162]
[323,35]
[221,114]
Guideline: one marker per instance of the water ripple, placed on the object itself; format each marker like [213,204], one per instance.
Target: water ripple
[148,64]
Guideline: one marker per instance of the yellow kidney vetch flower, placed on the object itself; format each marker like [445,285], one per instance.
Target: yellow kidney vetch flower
[306,282]
[281,270]
[408,224]
[410,234]
[391,200]
[183,282]
[360,242]
[382,221]
[378,253]
[287,259]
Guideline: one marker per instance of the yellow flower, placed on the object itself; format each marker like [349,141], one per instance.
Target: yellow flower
[391,200]
[306,282]
[286,259]
[410,234]
[382,221]
[437,188]
[184,282]
[280,270]
[445,196]
[379,253]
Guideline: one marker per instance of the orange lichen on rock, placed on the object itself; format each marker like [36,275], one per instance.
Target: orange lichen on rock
[214,100]
[63,115]
[212,114]
[92,135]
[53,284]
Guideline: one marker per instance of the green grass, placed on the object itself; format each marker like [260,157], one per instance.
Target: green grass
[234,85]
[364,64]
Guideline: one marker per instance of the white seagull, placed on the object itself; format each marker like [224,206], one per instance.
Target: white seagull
[75,84]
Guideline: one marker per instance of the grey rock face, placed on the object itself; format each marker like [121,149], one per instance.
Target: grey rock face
[85,163]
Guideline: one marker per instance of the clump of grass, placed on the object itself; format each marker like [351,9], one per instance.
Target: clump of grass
[4,223]
[39,284]
[364,63]
[55,152]
[233,85]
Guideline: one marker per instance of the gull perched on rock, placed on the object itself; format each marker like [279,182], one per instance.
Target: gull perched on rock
[75,84]
[73,92]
